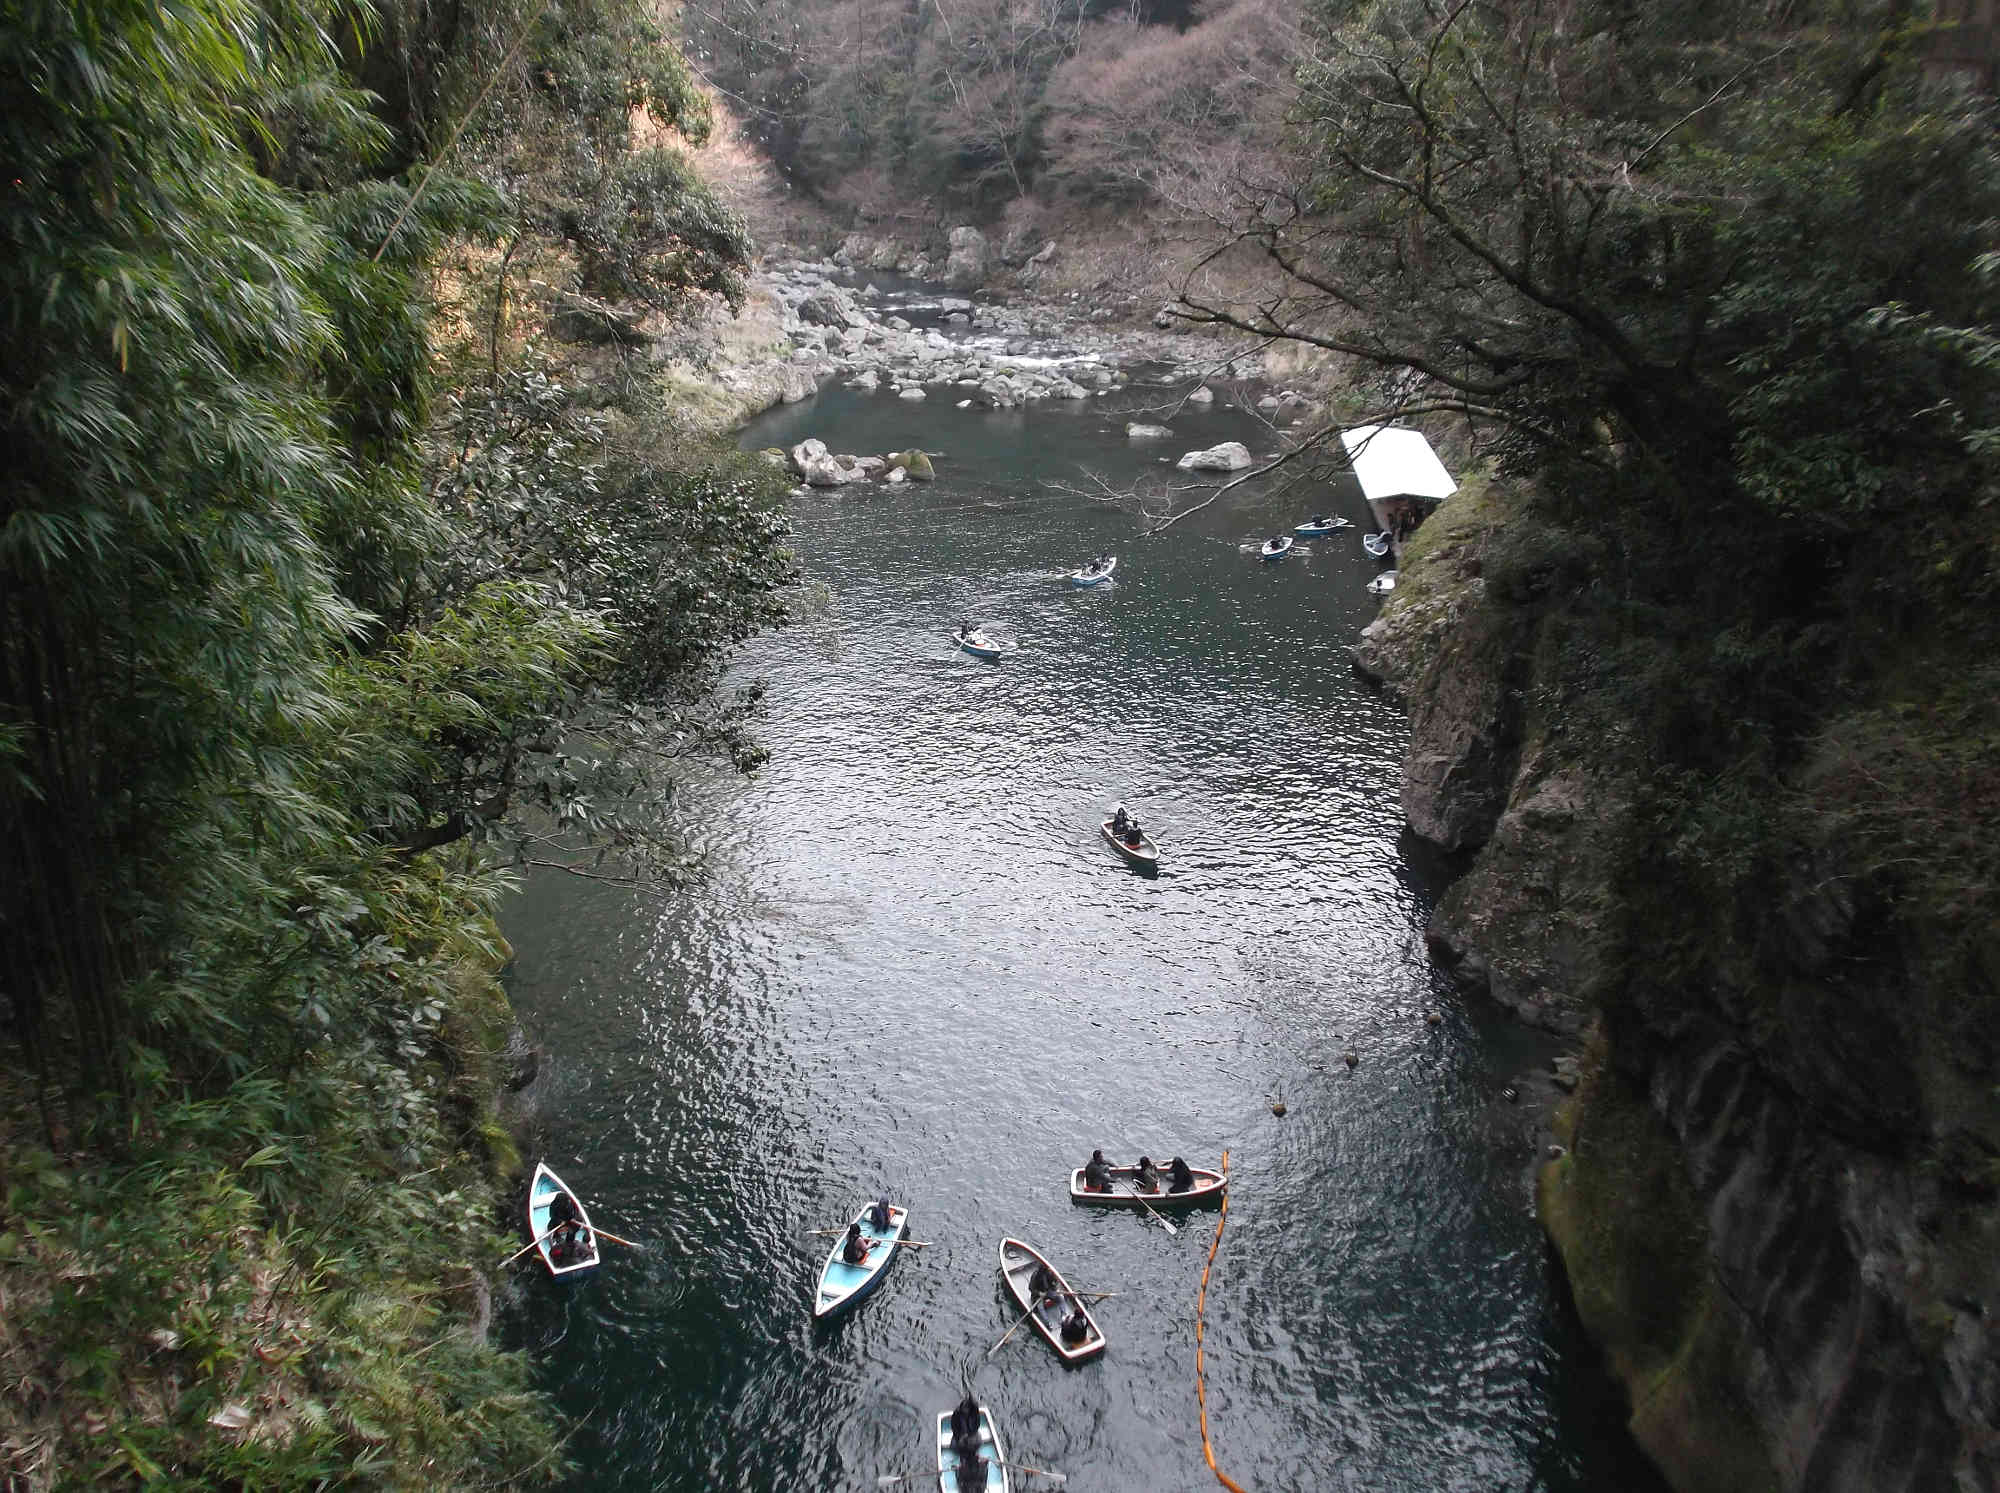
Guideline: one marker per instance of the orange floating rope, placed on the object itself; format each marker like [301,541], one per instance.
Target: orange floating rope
[1200,1386]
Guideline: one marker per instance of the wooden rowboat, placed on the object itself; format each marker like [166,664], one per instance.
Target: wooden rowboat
[1384,583]
[1017,1269]
[998,1477]
[842,1284]
[1208,1187]
[1092,574]
[978,644]
[1376,544]
[542,1191]
[1318,527]
[1276,549]
[1145,854]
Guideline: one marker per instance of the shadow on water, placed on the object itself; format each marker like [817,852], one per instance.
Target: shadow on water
[913,967]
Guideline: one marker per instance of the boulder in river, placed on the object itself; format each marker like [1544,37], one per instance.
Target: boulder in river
[1138,432]
[1230,456]
[828,307]
[915,463]
[1202,395]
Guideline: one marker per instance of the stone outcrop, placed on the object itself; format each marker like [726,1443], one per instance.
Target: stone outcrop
[967,265]
[1826,1160]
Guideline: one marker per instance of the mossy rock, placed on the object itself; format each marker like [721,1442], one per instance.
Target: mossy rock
[915,463]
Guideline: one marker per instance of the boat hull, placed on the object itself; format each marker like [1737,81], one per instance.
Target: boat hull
[1092,577]
[998,1478]
[542,1191]
[842,1285]
[1320,531]
[1276,551]
[1208,1188]
[1017,1268]
[1145,855]
[979,647]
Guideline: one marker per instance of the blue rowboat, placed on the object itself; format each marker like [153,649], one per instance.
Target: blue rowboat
[1317,527]
[998,1477]
[978,644]
[1276,549]
[544,1190]
[842,1284]
[1094,574]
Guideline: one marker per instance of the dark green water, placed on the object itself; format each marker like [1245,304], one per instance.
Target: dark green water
[915,969]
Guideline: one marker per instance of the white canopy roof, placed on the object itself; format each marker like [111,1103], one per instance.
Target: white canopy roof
[1391,462]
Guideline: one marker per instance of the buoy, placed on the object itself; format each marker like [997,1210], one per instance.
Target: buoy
[1278,1107]
[1433,1017]
[1351,1060]
[1510,1093]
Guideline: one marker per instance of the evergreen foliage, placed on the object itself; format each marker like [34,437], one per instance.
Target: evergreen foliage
[283,613]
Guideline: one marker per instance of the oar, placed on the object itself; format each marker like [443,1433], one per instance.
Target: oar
[530,1244]
[1150,1209]
[603,1234]
[913,1243]
[890,1479]
[1015,1328]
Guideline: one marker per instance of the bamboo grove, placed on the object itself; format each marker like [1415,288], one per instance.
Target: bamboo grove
[318,611]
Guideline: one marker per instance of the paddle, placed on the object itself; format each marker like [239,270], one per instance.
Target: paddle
[530,1244]
[602,1234]
[890,1479]
[913,1243]
[1015,1328]
[1150,1209]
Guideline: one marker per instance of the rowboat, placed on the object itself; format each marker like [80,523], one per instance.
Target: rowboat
[998,1478]
[1316,526]
[842,1284]
[1276,549]
[542,1191]
[978,644]
[1145,854]
[1094,574]
[1208,1186]
[1376,544]
[1018,1262]
[1384,583]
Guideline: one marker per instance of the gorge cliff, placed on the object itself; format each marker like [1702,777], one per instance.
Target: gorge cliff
[1775,1196]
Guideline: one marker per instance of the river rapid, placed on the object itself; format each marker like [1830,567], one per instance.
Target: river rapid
[914,968]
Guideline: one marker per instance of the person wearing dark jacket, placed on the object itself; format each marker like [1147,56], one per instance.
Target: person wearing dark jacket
[1180,1177]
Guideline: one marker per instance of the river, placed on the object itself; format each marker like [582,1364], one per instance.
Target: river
[914,968]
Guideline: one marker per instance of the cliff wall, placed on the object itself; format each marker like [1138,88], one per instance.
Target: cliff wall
[1776,1197]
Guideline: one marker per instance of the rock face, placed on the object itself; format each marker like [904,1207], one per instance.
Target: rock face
[1828,1138]
[967,264]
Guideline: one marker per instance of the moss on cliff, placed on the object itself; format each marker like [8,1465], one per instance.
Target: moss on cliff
[1619,1208]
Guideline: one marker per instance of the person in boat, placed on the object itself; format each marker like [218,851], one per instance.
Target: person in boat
[1180,1176]
[1120,820]
[965,1421]
[1134,836]
[1097,1173]
[965,1444]
[565,1228]
[1148,1179]
[855,1248]
[1043,1283]
[965,629]
[971,1466]
[879,1218]
[1076,1326]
